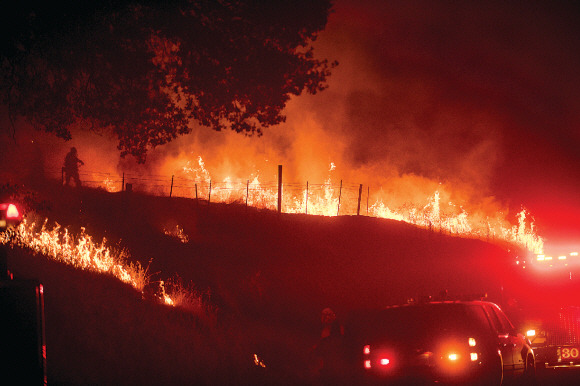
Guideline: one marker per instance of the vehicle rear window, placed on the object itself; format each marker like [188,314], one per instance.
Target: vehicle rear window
[499,321]
[406,322]
[479,315]
[505,323]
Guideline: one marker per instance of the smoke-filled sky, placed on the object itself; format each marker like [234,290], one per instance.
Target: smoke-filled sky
[480,97]
[485,93]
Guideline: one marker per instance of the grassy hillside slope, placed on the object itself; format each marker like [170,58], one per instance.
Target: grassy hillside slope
[266,276]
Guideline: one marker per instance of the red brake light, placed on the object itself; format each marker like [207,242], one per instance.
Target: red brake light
[12,211]
[367,349]
[385,361]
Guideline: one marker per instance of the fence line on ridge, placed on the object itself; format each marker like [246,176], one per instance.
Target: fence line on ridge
[330,199]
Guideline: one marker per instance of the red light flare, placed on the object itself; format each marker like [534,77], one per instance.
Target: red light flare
[12,212]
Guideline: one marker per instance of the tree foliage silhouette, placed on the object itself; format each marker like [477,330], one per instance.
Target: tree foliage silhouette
[145,70]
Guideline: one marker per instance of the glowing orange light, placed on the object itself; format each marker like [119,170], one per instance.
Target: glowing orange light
[453,357]
[563,257]
[541,257]
[258,361]
[367,349]
[531,333]
[573,253]
[367,364]
[12,211]
[472,342]
[385,361]
[473,356]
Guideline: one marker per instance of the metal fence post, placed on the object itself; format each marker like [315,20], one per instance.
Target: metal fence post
[247,191]
[306,197]
[279,188]
[171,189]
[209,195]
[359,197]
[339,195]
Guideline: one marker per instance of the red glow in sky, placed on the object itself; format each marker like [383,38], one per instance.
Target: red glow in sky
[483,93]
[483,96]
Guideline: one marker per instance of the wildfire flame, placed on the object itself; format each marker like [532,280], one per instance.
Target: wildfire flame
[258,361]
[83,253]
[329,199]
[109,185]
[177,233]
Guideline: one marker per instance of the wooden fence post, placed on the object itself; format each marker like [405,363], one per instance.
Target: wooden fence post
[247,191]
[306,197]
[209,195]
[359,197]
[279,188]
[339,195]
[171,189]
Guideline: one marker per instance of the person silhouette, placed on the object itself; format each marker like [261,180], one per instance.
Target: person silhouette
[330,349]
[71,167]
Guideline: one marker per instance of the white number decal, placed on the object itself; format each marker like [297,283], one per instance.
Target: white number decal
[568,353]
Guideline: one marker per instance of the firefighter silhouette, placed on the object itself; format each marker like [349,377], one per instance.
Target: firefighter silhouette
[71,167]
[330,348]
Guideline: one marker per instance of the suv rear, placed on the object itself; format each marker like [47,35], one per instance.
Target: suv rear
[450,341]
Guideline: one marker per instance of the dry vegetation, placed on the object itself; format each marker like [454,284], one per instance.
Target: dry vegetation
[259,281]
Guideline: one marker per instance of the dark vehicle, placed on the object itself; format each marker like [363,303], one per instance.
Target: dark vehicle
[9,215]
[22,337]
[550,313]
[461,342]
[555,336]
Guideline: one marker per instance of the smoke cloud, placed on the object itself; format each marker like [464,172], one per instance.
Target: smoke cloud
[476,100]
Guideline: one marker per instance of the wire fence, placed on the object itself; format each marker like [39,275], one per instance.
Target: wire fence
[329,198]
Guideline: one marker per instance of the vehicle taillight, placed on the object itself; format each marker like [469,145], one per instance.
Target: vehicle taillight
[366,352]
[385,361]
[385,358]
[12,212]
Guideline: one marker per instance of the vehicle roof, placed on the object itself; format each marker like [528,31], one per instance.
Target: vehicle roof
[437,302]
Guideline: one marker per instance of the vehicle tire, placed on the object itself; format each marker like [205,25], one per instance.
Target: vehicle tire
[493,375]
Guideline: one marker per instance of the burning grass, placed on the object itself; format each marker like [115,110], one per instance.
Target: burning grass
[82,252]
[269,276]
[433,210]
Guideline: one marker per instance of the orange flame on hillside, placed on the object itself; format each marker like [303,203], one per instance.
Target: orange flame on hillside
[83,253]
[193,179]
[177,233]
